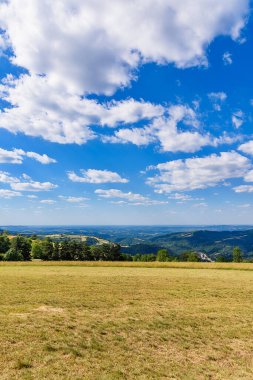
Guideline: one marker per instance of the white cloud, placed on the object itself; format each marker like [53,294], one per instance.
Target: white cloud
[178,132]
[247,147]
[5,177]
[183,197]
[129,111]
[238,119]
[227,58]
[129,198]
[217,98]
[91,47]
[199,173]
[71,199]
[29,185]
[166,132]
[244,189]
[249,176]
[94,47]
[42,158]
[96,176]
[9,194]
[16,156]
[57,116]
[33,186]
[48,201]
[114,193]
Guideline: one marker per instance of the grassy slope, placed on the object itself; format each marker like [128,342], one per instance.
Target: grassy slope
[81,322]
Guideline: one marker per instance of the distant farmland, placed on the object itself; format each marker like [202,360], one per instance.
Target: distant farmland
[98,321]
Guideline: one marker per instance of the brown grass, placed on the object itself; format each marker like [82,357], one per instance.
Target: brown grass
[87,321]
[131,264]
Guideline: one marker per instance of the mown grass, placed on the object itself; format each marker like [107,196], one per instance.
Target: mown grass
[134,264]
[62,321]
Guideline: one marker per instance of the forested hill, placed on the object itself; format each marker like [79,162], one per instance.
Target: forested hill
[210,242]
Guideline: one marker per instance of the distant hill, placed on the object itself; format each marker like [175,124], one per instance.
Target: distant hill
[212,243]
[209,242]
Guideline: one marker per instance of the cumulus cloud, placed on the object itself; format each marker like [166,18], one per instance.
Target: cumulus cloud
[4,193]
[96,176]
[94,47]
[41,110]
[16,156]
[128,111]
[247,147]
[238,119]
[217,98]
[166,132]
[199,173]
[42,158]
[249,176]
[25,183]
[129,197]
[74,48]
[177,131]
[243,189]
[71,199]
[33,186]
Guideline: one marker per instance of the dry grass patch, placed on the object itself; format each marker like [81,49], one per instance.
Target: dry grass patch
[81,322]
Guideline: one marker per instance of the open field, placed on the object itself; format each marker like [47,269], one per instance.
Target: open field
[107,321]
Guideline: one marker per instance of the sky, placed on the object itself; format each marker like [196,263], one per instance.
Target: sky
[118,112]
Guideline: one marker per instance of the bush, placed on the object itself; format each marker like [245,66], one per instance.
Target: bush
[1,256]
[13,255]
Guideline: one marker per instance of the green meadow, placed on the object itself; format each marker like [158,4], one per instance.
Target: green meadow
[108,321]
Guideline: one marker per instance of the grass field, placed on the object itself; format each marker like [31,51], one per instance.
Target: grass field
[102,322]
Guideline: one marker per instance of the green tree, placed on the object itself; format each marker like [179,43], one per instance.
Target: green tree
[22,245]
[36,251]
[47,249]
[86,253]
[193,257]
[162,255]
[56,252]
[4,243]
[220,259]
[67,250]
[237,255]
[13,255]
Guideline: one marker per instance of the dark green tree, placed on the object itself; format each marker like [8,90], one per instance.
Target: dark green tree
[47,249]
[4,243]
[237,255]
[86,253]
[66,252]
[22,245]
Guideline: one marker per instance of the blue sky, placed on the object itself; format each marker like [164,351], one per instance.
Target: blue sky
[121,113]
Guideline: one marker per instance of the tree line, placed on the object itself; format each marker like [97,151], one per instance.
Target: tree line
[22,248]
